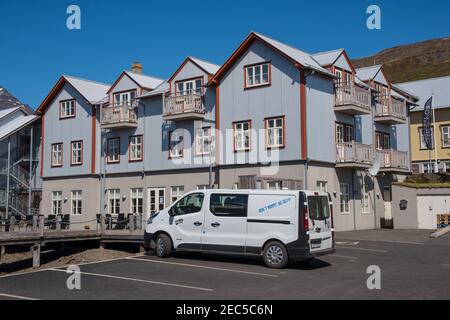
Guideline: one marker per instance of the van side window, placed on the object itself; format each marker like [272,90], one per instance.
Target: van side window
[229,205]
[191,203]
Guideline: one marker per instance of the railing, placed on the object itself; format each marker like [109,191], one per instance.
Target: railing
[390,107]
[118,113]
[353,152]
[185,102]
[351,94]
[18,173]
[18,206]
[393,159]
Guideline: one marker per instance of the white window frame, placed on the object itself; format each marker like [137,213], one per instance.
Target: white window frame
[57,199]
[113,144]
[137,201]
[258,75]
[274,185]
[176,192]
[242,135]
[202,187]
[276,131]
[344,198]
[203,141]
[136,148]
[155,200]
[322,186]
[191,86]
[67,109]
[76,148]
[57,155]
[427,167]
[114,195]
[76,202]
[445,132]
[176,147]
[124,98]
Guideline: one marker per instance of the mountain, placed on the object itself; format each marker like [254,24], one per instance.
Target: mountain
[422,60]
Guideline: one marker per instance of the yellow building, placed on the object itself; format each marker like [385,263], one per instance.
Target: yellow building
[439,88]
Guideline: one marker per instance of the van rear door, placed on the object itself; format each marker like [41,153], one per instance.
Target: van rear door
[320,222]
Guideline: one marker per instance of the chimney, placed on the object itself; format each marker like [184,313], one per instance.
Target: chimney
[136,67]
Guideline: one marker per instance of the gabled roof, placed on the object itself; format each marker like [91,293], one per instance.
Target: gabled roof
[329,58]
[424,89]
[296,56]
[368,73]
[143,81]
[91,91]
[7,112]
[207,67]
[15,125]
[161,89]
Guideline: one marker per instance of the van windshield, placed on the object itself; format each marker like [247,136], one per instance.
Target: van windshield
[319,208]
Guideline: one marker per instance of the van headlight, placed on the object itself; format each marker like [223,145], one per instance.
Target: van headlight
[152,216]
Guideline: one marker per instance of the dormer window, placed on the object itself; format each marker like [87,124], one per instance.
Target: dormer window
[257,75]
[187,87]
[124,98]
[67,109]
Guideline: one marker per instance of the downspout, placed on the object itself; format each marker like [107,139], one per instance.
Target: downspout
[7,178]
[30,171]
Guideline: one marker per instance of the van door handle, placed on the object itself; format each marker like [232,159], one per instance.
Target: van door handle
[179,222]
[197,223]
[318,229]
[215,224]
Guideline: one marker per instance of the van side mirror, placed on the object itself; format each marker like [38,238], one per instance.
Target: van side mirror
[172,212]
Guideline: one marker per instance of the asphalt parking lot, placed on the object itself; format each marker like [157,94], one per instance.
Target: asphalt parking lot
[413,266]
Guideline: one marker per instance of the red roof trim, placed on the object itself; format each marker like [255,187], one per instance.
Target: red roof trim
[120,78]
[188,59]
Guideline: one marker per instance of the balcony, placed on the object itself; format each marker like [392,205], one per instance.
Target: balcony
[393,161]
[390,110]
[352,99]
[119,116]
[183,107]
[354,155]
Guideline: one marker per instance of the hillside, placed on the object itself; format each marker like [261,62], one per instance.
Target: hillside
[422,60]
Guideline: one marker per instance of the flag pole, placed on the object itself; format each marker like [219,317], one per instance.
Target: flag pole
[436,168]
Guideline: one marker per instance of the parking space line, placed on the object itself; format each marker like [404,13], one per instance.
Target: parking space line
[386,241]
[205,267]
[343,257]
[137,280]
[363,249]
[16,297]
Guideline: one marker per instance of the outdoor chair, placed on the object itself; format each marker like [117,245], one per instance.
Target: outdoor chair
[65,222]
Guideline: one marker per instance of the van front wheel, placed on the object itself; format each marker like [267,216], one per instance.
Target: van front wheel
[275,255]
[163,246]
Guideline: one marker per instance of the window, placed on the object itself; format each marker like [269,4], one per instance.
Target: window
[67,109]
[135,148]
[427,167]
[322,186]
[275,132]
[319,208]
[344,133]
[57,202]
[124,98]
[191,203]
[203,187]
[365,199]
[382,141]
[345,198]
[76,153]
[242,135]
[257,75]
[445,136]
[113,150]
[447,167]
[157,199]
[203,141]
[137,201]
[229,205]
[176,193]
[76,202]
[423,145]
[176,144]
[274,185]
[339,77]
[57,155]
[194,86]
[114,201]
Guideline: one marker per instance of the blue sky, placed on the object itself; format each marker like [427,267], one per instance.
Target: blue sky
[36,47]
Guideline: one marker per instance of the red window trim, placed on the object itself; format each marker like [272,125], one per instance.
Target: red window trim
[267,136]
[71,155]
[108,161]
[62,155]
[74,109]
[182,150]
[246,86]
[197,154]
[250,135]
[142,148]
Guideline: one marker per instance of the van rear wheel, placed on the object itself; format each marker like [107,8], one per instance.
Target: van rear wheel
[163,246]
[275,255]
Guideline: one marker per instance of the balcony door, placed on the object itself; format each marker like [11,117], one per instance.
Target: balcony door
[189,87]
[383,145]
[344,138]
[124,98]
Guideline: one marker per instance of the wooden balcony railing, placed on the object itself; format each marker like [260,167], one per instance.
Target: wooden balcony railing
[121,115]
[393,159]
[353,95]
[181,105]
[388,107]
[355,153]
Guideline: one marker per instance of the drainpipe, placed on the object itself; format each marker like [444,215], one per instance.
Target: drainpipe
[7,178]
[354,201]
[30,171]
[306,173]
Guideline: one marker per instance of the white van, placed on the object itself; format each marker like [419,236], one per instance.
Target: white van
[279,225]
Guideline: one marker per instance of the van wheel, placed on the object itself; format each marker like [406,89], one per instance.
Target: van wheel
[275,255]
[163,246]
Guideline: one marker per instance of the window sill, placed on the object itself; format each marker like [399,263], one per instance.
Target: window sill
[258,86]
